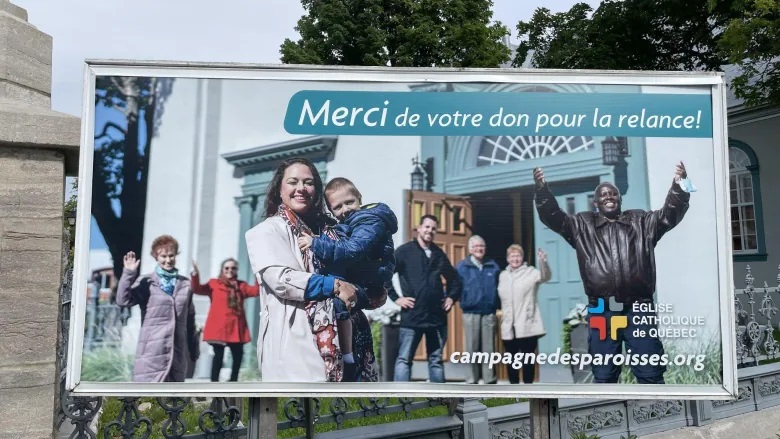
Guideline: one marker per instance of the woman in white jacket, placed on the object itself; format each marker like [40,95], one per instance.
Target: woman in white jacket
[286,347]
[521,321]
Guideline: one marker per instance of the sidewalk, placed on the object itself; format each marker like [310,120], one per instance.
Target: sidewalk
[763,424]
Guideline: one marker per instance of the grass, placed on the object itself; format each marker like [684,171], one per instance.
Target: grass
[192,412]
[106,365]
[712,372]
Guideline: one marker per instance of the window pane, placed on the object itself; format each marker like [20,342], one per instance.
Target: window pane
[457,218]
[750,227]
[417,212]
[735,228]
[738,159]
[747,212]
[747,195]
[736,243]
[752,243]
[437,211]
[746,180]
[734,197]
[733,182]
[735,214]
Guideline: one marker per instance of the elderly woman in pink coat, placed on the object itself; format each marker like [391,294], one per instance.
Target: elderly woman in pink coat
[167,314]
[286,348]
[521,320]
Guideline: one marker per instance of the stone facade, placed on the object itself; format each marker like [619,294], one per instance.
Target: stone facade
[38,148]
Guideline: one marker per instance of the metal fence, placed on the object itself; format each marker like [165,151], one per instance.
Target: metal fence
[756,338]
[104,326]
[759,387]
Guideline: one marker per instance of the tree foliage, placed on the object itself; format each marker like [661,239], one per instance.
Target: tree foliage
[752,42]
[625,35]
[70,207]
[130,110]
[398,33]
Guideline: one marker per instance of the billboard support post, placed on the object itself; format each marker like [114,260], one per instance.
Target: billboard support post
[543,411]
[262,418]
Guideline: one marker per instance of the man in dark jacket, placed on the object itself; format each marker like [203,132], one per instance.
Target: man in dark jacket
[420,265]
[479,302]
[615,251]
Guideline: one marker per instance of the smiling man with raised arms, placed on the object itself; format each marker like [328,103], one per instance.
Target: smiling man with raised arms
[616,255]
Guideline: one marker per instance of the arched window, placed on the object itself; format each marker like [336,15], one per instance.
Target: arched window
[498,150]
[747,228]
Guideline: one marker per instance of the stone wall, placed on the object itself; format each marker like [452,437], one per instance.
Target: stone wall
[31,192]
[38,148]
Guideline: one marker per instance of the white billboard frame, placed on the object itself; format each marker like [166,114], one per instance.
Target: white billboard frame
[202,70]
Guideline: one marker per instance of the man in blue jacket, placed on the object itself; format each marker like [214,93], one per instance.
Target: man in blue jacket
[479,302]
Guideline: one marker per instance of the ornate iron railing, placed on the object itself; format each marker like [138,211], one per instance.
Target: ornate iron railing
[756,340]
[222,418]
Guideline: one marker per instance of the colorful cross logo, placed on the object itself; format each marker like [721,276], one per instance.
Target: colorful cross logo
[600,322]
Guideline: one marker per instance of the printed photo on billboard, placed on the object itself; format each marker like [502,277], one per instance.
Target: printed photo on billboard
[279,231]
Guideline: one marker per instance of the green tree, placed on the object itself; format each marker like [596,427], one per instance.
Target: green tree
[751,40]
[398,33]
[625,35]
[70,206]
[129,110]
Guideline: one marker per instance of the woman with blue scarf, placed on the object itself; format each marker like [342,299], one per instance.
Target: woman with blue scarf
[167,314]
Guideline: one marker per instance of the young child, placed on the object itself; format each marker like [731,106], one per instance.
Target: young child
[365,248]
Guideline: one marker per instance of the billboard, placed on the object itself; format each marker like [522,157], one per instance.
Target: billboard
[299,230]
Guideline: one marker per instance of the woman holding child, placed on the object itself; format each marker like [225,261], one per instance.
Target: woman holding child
[298,338]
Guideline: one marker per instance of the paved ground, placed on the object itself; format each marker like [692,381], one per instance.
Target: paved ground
[764,424]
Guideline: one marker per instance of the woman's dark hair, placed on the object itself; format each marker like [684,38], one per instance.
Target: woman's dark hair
[273,198]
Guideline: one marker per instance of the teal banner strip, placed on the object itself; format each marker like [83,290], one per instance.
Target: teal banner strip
[506,114]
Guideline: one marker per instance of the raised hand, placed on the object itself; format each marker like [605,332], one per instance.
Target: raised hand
[131,262]
[541,256]
[195,269]
[539,177]
[680,172]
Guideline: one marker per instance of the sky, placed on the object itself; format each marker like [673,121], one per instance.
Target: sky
[247,31]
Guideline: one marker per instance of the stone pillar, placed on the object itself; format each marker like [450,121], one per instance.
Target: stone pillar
[474,416]
[38,148]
